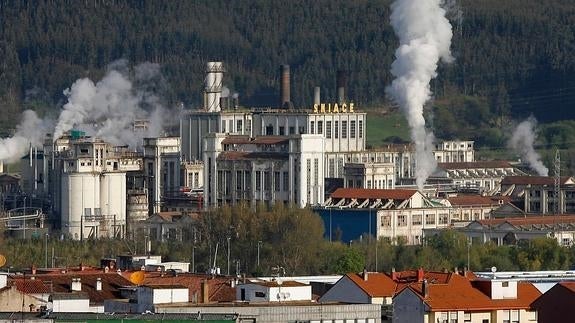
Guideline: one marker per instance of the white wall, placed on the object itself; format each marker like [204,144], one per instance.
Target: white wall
[71,305]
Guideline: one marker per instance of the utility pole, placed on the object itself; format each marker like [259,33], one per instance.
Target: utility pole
[557,183]
[259,245]
[229,255]
[46,251]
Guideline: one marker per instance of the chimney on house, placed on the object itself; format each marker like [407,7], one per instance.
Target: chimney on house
[98,284]
[393,274]
[425,288]
[33,270]
[364,274]
[420,274]
[76,285]
[205,292]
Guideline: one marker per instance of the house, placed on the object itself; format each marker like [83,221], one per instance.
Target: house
[362,288]
[462,298]
[556,304]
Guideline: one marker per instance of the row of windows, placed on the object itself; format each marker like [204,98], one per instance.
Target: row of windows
[416,219]
[239,126]
[337,131]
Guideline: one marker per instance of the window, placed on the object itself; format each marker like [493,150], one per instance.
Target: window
[248,126]
[267,181]
[430,219]
[301,130]
[260,294]
[352,129]
[504,284]
[336,129]
[286,181]
[258,180]
[320,127]
[360,128]
[344,129]
[223,125]
[443,218]
[416,219]
[328,129]
[239,126]
[282,131]
[386,220]
[239,177]
[292,130]
[312,127]
[401,222]
[277,181]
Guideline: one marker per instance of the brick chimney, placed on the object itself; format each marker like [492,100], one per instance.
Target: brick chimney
[205,292]
[393,274]
[420,273]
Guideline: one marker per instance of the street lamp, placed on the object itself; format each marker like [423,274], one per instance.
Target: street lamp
[46,250]
[259,245]
[228,256]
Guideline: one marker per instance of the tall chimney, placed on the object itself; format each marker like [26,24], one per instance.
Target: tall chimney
[341,85]
[316,95]
[285,86]
[425,288]
[365,274]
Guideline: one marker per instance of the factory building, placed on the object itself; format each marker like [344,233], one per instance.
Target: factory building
[88,185]
[264,169]
[162,169]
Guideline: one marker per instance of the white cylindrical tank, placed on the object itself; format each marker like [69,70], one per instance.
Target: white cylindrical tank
[213,83]
[137,207]
[113,204]
[80,197]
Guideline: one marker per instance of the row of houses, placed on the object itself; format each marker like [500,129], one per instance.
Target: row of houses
[395,296]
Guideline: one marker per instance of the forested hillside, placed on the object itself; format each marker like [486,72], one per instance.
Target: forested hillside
[515,55]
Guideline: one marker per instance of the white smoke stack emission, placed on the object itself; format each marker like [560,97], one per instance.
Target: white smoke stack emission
[107,109]
[522,142]
[424,35]
[28,133]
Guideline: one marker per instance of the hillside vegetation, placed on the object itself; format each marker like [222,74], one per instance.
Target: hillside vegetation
[513,58]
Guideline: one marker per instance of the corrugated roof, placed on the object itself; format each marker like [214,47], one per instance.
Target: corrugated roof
[533,180]
[531,220]
[471,200]
[363,193]
[476,164]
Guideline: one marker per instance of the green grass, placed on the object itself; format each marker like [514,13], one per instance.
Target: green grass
[383,126]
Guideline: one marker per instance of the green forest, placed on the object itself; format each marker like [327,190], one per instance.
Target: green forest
[292,238]
[513,58]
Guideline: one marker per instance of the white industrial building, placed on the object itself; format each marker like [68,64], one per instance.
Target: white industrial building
[88,185]
[162,169]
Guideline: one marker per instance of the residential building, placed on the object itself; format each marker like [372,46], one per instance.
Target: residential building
[462,299]
[556,305]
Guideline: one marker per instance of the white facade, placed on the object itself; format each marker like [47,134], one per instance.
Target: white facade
[162,168]
[263,169]
[160,294]
[369,175]
[66,302]
[274,291]
[454,151]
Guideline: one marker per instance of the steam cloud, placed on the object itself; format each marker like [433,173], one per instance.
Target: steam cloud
[30,131]
[425,37]
[108,108]
[522,141]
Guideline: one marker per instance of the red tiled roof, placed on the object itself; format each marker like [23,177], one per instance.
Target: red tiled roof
[460,294]
[471,200]
[363,193]
[532,180]
[477,164]
[61,283]
[287,283]
[31,286]
[530,220]
[244,155]
[261,140]
[376,285]
[570,285]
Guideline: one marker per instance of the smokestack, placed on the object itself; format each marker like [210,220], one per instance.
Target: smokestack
[213,83]
[285,86]
[341,83]
[317,95]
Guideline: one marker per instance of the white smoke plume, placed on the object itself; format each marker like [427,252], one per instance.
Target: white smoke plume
[522,142]
[424,35]
[30,131]
[107,109]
